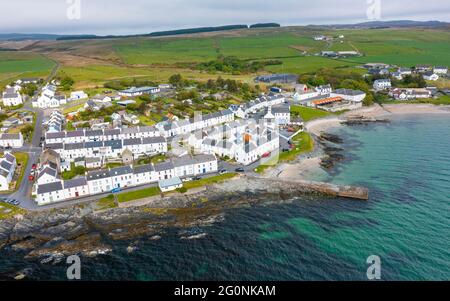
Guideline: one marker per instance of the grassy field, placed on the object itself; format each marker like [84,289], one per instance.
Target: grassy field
[303,144]
[92,63]
[23,64]
[308,114]
[9,211]
[209,181]
[138,194]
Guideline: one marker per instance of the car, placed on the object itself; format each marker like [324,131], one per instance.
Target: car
[15,203]
[40,144]
[34,166]
[223,171]
[266,155]
[285,150]
[197,178]
[31,178]
[240,169]
[116,190]
[42,138]
[186,179]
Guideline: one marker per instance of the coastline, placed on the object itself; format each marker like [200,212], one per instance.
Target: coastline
[307,165]
[80,229]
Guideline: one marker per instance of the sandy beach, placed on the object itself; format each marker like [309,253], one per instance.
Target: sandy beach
[311,164]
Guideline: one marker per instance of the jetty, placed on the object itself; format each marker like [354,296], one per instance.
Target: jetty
[359,120]
[289,186]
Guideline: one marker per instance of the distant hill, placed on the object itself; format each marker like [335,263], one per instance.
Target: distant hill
[161,33]
[389,24]
[265,25]
[373,24]
[31,36]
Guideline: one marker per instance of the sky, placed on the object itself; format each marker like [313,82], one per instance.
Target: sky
[103,17]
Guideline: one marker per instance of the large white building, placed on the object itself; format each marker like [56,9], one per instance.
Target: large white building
[382,84]
[11,140]
[49,99]
[8,166]
[11,97]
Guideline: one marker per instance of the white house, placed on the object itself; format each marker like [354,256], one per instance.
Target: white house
[324,89]
[47,175]
[133,91]
[78,95]
[122,177]
[280,115]
[75,188]
[8,166]
[430,76]
[99,181]
[170,184]
[101,99]
[443,70]
[11,140]
[350,95]
[300,96]
[11,98]
[50,193]
[382,84]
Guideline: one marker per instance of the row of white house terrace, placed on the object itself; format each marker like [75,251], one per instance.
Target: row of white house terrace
[105,181]
[84,135]
[109,148]
[180,127]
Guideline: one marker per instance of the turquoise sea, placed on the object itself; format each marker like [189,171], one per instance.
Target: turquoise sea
[406,222]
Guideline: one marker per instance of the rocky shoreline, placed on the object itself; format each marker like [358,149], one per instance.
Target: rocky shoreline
[52,235]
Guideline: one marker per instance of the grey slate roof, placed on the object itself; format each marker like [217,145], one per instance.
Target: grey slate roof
[163,166]
[97,175]
[135,141]
[119,171]
[54,146]
[183,161]
[72,146]
[204,158]
[72,134]
[75,183]
[143,169]
[51,187]
[114,144]
[55,135]
[152,140]
[93,144]
[91,133]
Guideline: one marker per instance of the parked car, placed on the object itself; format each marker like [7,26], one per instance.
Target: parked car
[240,169]
[31,178]
[34,166]
[266,155]
[15,203]
[197,178]
[186,179]
[285,150]
[223,171]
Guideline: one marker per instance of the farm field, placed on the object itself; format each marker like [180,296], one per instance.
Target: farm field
[23,64]
[92,63]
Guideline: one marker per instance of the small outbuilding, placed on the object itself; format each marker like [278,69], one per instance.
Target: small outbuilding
[170,184]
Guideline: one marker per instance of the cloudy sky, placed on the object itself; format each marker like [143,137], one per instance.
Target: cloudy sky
[142,16]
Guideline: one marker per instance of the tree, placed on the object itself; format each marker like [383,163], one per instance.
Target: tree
[176,80]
